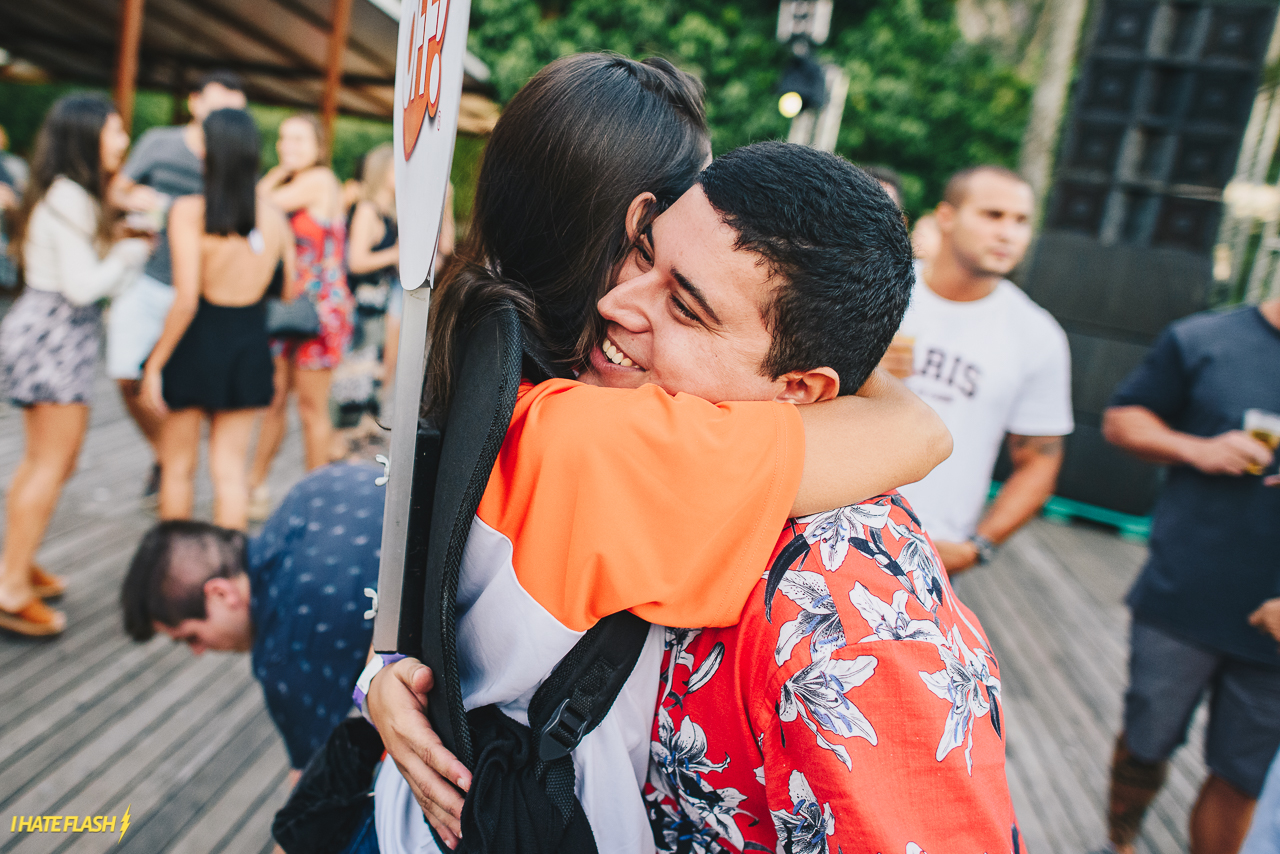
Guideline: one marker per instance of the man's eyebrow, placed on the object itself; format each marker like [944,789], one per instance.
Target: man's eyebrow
[692,290]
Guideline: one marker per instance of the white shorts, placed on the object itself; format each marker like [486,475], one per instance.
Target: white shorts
[134,323]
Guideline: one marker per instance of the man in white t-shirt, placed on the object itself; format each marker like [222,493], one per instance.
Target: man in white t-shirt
[991,362]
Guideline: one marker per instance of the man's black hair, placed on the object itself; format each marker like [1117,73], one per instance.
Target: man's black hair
[165,581]
[223,77]
[838,243]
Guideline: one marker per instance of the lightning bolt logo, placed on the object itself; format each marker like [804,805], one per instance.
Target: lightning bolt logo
[124,823]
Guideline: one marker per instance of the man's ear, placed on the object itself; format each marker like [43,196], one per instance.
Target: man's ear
[809,386]
[226,591]
[945,214]
[639,214]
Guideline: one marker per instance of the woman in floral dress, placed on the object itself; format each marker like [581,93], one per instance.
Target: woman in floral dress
[310,193]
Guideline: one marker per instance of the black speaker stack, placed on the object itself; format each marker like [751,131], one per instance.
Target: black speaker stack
[1157,116]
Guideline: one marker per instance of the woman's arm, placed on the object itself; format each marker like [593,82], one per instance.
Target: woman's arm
[186,223]
[289,256]
[365,226]
[67,228]
[857,447]
[84,278]
[308,188]
[280,241]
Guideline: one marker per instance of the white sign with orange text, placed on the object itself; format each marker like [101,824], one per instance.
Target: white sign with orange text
[433,42]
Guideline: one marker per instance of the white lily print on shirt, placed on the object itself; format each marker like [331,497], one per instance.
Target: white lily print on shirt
[817,617]
[966,682]
[816,694]
[679,769]
[891,621]
[678,641]
[836,529]
[921,567]
[805,828]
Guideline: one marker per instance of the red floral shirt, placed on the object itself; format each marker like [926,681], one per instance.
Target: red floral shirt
[855,708]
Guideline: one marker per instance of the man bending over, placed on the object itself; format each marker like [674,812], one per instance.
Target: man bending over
[294,596]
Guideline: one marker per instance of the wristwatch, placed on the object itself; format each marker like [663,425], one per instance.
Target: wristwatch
[360,695]
[986,549]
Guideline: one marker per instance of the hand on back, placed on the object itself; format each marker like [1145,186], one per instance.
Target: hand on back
[397,703]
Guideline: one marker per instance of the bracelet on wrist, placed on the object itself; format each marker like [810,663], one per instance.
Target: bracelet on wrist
[986,549]
[360,695]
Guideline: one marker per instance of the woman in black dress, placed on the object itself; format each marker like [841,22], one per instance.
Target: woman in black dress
[213,359]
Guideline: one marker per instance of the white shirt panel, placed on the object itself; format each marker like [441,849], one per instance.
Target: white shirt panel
[507,645]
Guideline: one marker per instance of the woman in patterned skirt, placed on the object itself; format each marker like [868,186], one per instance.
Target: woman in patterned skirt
[49,340]
[311,195]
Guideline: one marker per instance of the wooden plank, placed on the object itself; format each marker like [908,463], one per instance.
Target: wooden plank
[257,825]
[212,774]
[339,26]
[222,819]
[149,743]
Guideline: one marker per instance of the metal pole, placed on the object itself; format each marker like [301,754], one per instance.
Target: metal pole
[127,58]
[827,128]
[411,366]
[333,68]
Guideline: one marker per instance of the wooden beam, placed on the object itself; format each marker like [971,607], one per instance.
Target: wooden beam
[333,68]
[127,58]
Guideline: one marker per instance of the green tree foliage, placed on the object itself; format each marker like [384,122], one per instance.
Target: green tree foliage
[921,100]
[924,101]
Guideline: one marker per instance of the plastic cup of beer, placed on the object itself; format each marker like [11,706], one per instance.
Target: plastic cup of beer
[900,358]
[1265,427]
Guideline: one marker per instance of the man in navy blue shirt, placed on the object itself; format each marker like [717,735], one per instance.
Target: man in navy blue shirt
[1206,607]
[294,596]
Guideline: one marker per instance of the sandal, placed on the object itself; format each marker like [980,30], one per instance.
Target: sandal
[45,584]
[35,620]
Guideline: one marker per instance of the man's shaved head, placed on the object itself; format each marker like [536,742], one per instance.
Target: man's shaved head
[957,189]
[166,578]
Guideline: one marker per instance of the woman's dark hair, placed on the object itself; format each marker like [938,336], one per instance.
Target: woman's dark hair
[69,144]
[231,157]
[573,148]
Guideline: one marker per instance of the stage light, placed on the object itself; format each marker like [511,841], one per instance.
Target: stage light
[790,105]
[802,87]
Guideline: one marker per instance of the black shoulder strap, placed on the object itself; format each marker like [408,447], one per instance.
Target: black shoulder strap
[582,687]
[474,428]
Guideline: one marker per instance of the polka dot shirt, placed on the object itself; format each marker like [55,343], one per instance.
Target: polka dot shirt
[308,570]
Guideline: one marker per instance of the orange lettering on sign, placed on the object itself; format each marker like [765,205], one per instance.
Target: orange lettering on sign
[423,68]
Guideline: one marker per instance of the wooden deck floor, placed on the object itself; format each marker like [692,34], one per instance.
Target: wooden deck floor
[92,724]
[1052,606]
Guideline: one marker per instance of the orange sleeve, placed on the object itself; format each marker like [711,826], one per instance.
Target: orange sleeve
[617,499]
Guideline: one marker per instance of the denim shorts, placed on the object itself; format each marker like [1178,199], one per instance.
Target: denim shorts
[1167,678]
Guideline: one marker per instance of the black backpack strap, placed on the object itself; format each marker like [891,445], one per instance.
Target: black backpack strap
[582,687]
[484,399]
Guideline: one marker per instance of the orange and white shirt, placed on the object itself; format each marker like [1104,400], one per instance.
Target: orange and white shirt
[604,500]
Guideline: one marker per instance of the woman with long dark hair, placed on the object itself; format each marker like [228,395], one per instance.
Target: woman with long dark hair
[310,194]
[588,137]
[50,338]
[213,359]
